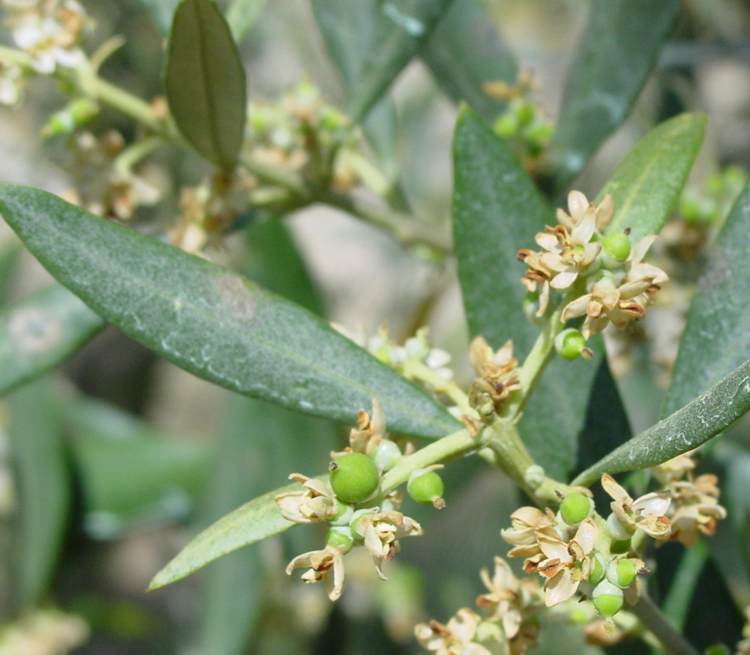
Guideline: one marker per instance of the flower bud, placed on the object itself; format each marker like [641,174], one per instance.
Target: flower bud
[575,508]
[570,344]
[426,486]
[622,572]
[617,246]
[598,568]
[617,530]
[76,114]
[354,477]
[386,455]
[341,538]
[607,599]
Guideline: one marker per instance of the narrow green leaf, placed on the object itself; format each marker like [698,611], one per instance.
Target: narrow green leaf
[689,427]
[44,488]
[248,524]
[464,52]
[212,322]
[646,185]
[162,12]
[205,82]
[131,474]
[242,15]
[616,53]
[42,332]
[717,336]
[683,587]
[496,211]
[10,253]
[372,41]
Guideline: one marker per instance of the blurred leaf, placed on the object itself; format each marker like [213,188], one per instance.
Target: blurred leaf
[212,322]
[131,474]
[42,332]
[248,524]
[373,41]
[44,488]
[242,15]
[646,185]
[496,211]
[717,335]
[205,82]
[677,602]
[162,12]
[464,52]
[616,53]
[687,428]
[10,253]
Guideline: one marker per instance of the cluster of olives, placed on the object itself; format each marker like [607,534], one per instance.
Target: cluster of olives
[608,576]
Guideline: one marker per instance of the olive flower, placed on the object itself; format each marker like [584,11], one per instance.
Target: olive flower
[455,638]
[313,503]
[381,532]
[648,513]
[321,563]
[696,508]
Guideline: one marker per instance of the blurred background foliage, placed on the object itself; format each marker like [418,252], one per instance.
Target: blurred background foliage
[108,465]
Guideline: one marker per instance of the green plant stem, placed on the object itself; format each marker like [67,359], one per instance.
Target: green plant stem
[651,617]
[454,445]
[416,370]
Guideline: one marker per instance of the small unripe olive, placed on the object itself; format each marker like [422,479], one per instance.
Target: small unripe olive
[617,245]
[524,111]
[506,126]
[607,598]
[354,477]
[570,343]
[598,569]
[386,455]
[575,508]
[425,487]
[579,616]
[622,572]
[340,538]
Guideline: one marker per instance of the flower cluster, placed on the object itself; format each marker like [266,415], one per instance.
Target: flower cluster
[510,605]
[616,285]
[352,502]
[48,30]
[695,508]
[44,632]
[497,379]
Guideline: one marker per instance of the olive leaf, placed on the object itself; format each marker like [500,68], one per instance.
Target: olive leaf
[205,82]
[252,522]
[41,332]
[646,185]
[717,335]
[212,322]
[616,53]
[686,429]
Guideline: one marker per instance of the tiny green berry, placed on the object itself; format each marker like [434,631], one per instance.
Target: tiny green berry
[426,487]
[354,477]
[622,572]
[340,538]
[575,508]
[607,599]
[617,245]
[524,111]
[579,616]
[506,126]
[386,455]
[598,569]
[570,344]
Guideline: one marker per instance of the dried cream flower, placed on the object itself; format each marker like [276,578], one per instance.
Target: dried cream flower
[526,524]
[648,513]
[381,532]
[321,563]
[455,638]
[315,502]
[695,508]
[370,430]
[498,375]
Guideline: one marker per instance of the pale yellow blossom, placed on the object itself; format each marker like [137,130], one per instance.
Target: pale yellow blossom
[313,503]
[648,513]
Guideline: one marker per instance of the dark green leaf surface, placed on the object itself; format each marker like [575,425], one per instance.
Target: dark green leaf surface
[688,428]
[646,185]
[372,42]
[131,474]
[43,486]
[242,15]
[616,53]
[496,211]
[205,82]
[717,335]
[212,322]
[162,12]
[248,524]
[10,252]
[42,332]
[464,52]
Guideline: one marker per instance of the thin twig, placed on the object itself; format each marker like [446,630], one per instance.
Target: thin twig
[653,618]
